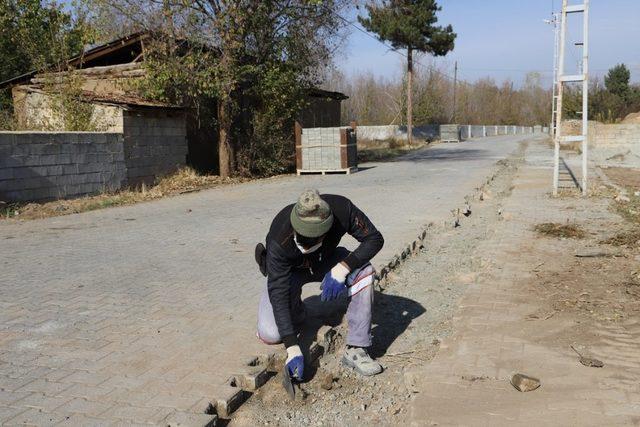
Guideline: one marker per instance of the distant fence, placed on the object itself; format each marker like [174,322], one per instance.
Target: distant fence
[433,132]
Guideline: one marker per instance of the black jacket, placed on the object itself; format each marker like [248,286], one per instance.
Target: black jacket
[283,256]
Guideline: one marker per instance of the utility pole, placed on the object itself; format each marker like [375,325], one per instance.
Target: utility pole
[455,90]
[409,96]
[567,78]
[555,21]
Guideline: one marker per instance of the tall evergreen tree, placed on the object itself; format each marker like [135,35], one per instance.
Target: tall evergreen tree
[410,25]
[617,81]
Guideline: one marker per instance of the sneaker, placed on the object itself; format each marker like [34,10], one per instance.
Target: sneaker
[261,258]
[358,359]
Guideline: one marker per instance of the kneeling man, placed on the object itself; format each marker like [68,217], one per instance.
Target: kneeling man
[302,247]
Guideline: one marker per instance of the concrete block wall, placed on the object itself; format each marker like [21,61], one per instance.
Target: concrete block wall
[52,165]
[381,133]
[155,144]
[432,132]
[620,141]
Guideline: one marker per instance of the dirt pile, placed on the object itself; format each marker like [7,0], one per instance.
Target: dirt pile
[631,119]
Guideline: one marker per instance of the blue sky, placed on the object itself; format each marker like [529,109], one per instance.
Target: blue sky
[508,38]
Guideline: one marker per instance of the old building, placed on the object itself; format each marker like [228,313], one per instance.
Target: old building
[105,77]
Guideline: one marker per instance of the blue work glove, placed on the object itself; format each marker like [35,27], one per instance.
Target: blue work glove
[334,282]
[295,362]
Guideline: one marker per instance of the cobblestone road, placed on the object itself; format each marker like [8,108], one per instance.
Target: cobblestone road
[138,314]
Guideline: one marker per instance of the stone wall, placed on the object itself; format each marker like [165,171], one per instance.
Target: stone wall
[611,144]
[433,132]
[155,143]
[35,110]
[615,143]
[46,166]
[388,132]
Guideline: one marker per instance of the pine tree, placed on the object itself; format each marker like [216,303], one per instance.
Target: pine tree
[410,25]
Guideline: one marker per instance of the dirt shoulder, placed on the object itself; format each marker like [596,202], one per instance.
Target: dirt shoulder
[551,305]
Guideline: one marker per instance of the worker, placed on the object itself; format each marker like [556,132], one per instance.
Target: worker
[302,247]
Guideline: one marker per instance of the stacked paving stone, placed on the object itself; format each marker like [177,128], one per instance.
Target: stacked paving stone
[321,148]
[45,166]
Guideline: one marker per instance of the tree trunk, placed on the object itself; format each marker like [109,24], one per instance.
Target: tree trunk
[409,91]
[226,150]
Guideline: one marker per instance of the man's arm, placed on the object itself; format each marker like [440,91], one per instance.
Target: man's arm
[363,230]
[279,287]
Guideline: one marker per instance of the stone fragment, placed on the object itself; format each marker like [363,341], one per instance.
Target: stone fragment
[255,378]
[229,400]
[327,382]
[524,383]
[591,362]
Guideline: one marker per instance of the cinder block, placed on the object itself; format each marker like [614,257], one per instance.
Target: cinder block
[6,173]
[70,169]
[30,172]
[63,159]
[12,161]
[7,138]
[54,170]
[91,167]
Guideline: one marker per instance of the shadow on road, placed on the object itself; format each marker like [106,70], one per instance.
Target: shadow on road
[392,315]
[440,154]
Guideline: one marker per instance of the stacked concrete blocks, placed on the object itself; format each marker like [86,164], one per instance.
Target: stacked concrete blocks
[322,150]
[47,166]
[450,133]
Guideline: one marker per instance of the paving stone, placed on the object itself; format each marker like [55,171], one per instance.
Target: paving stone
[7,413]
[178,419]
[139,414]
[41,401]
[35,417]
[84,407]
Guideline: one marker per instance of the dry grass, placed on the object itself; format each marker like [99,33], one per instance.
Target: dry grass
[567,231]
[629,210]
[629,238]
[183,181]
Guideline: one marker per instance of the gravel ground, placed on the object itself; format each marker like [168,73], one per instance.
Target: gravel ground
[412,315]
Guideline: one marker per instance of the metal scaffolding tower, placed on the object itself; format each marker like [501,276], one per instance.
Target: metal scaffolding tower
[562,79]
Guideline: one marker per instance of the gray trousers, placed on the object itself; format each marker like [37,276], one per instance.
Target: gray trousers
[358,311]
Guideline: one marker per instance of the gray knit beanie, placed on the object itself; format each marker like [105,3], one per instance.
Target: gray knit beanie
[311,216]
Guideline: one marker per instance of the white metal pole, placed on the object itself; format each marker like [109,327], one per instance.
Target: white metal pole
[558,130]
[554,91]
[585,96]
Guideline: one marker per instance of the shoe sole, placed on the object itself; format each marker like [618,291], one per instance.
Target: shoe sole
[347,362]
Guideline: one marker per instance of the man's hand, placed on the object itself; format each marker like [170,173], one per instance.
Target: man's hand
[334,282]
[295,362]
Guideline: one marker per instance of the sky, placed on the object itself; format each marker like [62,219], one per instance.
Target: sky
[508,38]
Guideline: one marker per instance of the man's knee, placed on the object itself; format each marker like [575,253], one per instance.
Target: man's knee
[268,335]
